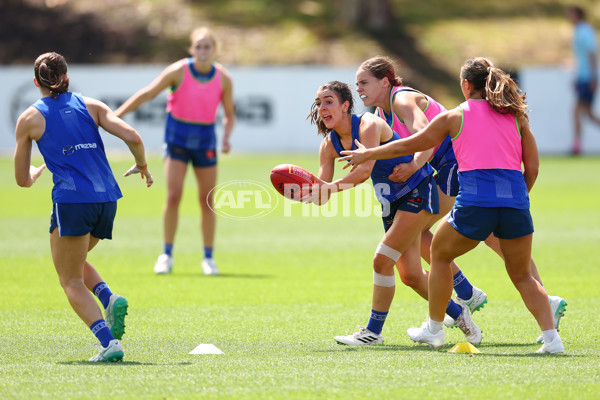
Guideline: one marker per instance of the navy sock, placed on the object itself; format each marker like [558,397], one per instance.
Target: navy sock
[168,249]
[376,321]
[103,293]
[100,329]
[208,252]
[462,286]
[453,309]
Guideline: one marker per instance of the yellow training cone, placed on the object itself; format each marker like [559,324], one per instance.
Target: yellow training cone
[464,348]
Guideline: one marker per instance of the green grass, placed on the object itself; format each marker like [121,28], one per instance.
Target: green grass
[288,285]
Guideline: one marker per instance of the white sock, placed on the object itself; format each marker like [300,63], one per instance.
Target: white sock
[549,335]
[435,326]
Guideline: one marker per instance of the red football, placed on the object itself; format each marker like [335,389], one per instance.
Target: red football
[289,180]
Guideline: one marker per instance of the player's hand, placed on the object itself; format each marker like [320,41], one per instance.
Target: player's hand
[143,171]
[226,146]
[402,172]
[35,172]
[354,157]
[317,194]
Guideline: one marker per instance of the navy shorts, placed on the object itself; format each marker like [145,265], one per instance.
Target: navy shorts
[199,158]
[584,91]
[78,219]
[447,179]
[423,197]
[478,223]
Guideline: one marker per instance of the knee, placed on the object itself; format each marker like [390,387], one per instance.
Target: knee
[206,201]
[383,265]
[412,278]
[69,284]
[173,198]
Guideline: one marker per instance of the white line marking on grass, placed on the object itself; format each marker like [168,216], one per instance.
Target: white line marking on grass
[206,349]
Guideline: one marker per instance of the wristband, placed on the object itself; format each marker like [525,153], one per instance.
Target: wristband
[141,166]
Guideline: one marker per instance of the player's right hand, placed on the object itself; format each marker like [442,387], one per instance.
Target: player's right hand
[143,171]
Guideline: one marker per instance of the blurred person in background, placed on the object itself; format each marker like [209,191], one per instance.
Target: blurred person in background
[64,126]
[197,85]
[585,49]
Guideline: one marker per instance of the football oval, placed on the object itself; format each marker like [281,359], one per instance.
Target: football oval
[289,179]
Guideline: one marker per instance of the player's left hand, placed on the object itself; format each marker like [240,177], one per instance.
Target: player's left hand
[354,157]
[226,146]
[143,171]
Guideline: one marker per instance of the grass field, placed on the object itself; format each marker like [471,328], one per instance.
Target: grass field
[288,285]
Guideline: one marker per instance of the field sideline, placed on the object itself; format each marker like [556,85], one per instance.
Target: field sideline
[288,285]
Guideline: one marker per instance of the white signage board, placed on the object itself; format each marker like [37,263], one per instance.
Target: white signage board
[272,103]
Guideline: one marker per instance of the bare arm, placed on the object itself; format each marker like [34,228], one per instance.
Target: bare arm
[369,134]
[408,108]
[229,108]
[434,133]
[30,126]
[169,77]
[114,125]
[531,160]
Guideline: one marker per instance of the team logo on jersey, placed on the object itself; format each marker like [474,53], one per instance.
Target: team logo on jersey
[68,150]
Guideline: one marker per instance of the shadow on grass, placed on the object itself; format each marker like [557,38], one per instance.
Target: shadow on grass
[220,276]
[424,348]
[119,363]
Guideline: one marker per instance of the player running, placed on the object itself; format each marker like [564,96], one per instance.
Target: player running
[407,111]
[491,138]
[85,193]
[407,206]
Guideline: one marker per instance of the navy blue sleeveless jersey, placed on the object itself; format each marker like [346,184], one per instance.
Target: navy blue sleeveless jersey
[74,152]
[384,188]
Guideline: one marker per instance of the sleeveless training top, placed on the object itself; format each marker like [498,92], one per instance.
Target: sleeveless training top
[192,107]
[442,153]
[384,188]
[74,152]
[489,152]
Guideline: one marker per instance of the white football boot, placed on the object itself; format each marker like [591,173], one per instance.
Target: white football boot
[475,303]
[209,267]
[360,338]
[466,324]
[111,353]
[555,346]
[424,335]
[164,264]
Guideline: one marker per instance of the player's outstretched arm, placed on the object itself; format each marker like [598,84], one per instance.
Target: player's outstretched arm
[425,139]
[169,77]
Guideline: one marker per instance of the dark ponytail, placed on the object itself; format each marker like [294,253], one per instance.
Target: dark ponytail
[497,86]
[50,71]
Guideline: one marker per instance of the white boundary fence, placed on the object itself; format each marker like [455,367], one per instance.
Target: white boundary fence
[272,104]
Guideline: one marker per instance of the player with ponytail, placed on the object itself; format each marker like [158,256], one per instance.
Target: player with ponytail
[407,207]
[498,164]
[65,127]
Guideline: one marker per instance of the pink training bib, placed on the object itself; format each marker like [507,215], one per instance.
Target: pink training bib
[487,139]
[196,101]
